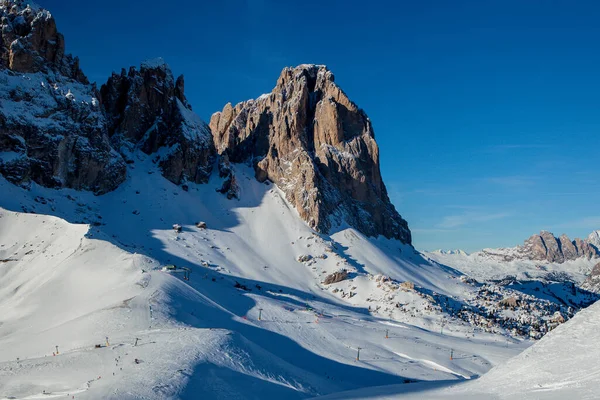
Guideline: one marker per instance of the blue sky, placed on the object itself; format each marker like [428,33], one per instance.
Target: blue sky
[487,112]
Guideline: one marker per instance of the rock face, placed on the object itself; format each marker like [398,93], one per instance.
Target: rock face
[148,108]
[52,128]
[59,131]
[594,239]
[230,187]
[336,277]
[29,41]
[592,282]
[318,147]
[546,247]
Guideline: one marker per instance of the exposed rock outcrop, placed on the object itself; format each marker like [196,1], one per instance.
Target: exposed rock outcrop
[592,282]
[148,108]
[318,147]
[58,131]
[230,186]
[52,129]
[336,277]
[30,42]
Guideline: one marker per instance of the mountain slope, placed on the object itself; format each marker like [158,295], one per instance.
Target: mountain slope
[563,365]
[208,327]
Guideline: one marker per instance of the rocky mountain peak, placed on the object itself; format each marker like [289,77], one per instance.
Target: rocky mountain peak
[147,108]
[30,42]
[594,239]
[318,147]
[52,127]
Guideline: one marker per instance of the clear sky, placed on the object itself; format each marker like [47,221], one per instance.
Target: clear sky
[487,113]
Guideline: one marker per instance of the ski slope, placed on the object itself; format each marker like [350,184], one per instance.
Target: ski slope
[78,268]
[562,365]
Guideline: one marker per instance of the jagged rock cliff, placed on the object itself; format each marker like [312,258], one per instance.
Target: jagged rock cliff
[147,108]
[318,147]
[52,128]
[546,247]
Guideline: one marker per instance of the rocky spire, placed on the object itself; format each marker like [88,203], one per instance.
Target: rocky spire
[318,147]
[147,108]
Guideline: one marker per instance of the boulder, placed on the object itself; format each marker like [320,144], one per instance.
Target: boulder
[336,277]
[304,258]
[509,302]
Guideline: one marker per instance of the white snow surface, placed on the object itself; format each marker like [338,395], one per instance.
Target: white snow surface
[562,365]
[77,268]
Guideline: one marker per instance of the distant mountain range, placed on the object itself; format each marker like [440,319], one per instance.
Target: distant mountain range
[543,247]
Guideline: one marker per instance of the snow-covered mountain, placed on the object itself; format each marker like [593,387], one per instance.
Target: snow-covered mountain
[306,136]
[147,254]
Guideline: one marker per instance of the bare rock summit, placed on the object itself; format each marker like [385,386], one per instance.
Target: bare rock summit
[318,147]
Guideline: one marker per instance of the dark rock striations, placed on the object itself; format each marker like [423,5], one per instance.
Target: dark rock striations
[59,131]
